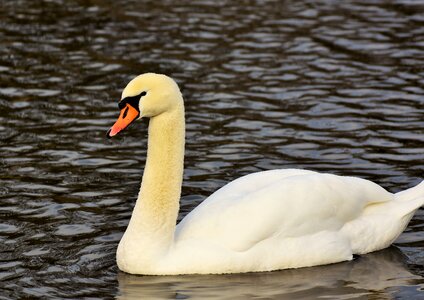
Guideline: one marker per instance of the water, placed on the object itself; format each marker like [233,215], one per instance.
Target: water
[331,86]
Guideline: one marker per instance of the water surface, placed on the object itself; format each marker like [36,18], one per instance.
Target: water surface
[334,86]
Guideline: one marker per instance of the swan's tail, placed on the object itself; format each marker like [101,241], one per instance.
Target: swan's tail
[411,199]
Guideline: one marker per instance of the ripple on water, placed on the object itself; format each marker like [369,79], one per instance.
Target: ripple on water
[8,228]
[329,86]
[73,230]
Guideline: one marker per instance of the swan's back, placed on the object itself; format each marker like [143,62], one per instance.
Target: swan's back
[285,203]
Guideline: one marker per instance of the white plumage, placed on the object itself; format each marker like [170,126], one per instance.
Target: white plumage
[260,222]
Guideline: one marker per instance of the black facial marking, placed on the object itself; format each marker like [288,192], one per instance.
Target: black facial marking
[133,101]
[125,112]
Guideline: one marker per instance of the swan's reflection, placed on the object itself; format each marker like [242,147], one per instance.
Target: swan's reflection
[382,272]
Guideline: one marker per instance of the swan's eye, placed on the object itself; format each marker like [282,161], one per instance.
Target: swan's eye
[125,112]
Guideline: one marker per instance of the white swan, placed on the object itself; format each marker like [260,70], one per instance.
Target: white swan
[260,222]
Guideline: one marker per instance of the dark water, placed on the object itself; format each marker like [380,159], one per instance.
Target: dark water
[332,86]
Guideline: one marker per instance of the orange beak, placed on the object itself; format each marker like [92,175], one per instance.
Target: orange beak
[126,117]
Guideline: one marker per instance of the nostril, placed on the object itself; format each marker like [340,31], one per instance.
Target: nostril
[125,112]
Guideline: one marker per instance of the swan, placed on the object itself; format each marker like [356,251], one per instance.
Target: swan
[270,220]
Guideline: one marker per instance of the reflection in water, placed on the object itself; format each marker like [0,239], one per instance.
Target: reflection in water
[375,273]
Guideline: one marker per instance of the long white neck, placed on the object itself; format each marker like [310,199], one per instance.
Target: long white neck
[153,221]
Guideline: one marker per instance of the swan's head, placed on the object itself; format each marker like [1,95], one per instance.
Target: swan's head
[147,95]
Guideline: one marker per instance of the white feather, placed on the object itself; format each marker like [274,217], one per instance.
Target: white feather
[260,222]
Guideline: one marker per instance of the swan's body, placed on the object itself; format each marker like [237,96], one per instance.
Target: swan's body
[260,222]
